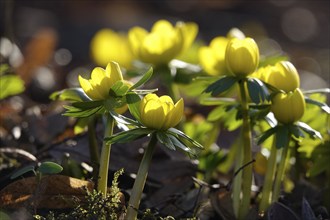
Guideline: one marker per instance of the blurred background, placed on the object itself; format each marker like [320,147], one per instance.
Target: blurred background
[55,36]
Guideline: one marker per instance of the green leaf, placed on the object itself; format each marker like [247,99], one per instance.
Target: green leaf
[127,136]
[88,104]
[133,102]
[50,168]
[220,86]
[118,89]
[296,131]
[179,133]
[123,120]
[267,134]
[81,113]
[163,138]
[320,165]
[312,91]
[257,90]
[306,128]
[4,68]
[10,85]
[22,171]
[177,143]
[72,94]
[217,101]
[144,91]
[216,113]
[322,105]
[282,136]
[143,80]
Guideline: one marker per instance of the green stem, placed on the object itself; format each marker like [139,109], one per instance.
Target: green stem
[134,201]
[105,156]
[280,174]
[247,172]
[93,146]
[238,179]
[269,178]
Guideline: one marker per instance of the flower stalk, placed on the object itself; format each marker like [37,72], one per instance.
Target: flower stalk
[280,173]
[269,178]
[140,180]
[105,156]
[247,155]
[238,179]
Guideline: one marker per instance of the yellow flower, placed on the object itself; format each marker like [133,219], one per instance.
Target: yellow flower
[160,112]
[108,45]
[283,76]
[212,58]
[163,43]
[288,107]
[242,56]
[98,87]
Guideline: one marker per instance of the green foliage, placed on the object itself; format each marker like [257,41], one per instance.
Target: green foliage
[46,167]
[49,168]
[143,80]
[221,85]
[71,94]
[10,85]
[23,171]
[257,90]
[320,158]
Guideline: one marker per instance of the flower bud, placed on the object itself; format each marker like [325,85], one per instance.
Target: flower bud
[283,76]
[160,112]
[288,107]
[242,56]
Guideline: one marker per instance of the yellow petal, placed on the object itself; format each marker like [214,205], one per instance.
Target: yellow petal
[105,45]
[177,113]
[162,26]
[121,110]
[152,115]
[100,82]
[189,32]
[88,89]
[136,36]
[114,73]
[166,98]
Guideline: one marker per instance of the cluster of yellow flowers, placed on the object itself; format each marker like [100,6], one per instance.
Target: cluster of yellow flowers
[234,54]
[163,43]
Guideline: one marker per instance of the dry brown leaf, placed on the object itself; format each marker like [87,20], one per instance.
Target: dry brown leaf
[53,192]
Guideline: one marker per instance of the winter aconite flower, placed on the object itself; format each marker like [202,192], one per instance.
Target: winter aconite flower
[163,43]
[212,57]
[288,107]
[242,56]
[283,76]
[160,112]
[98,87]
[108,45]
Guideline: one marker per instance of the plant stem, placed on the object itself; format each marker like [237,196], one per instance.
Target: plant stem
[247,172]
[93,146]
[269,178]
[238,179]
[280,174]
[105,156]
[140,180]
